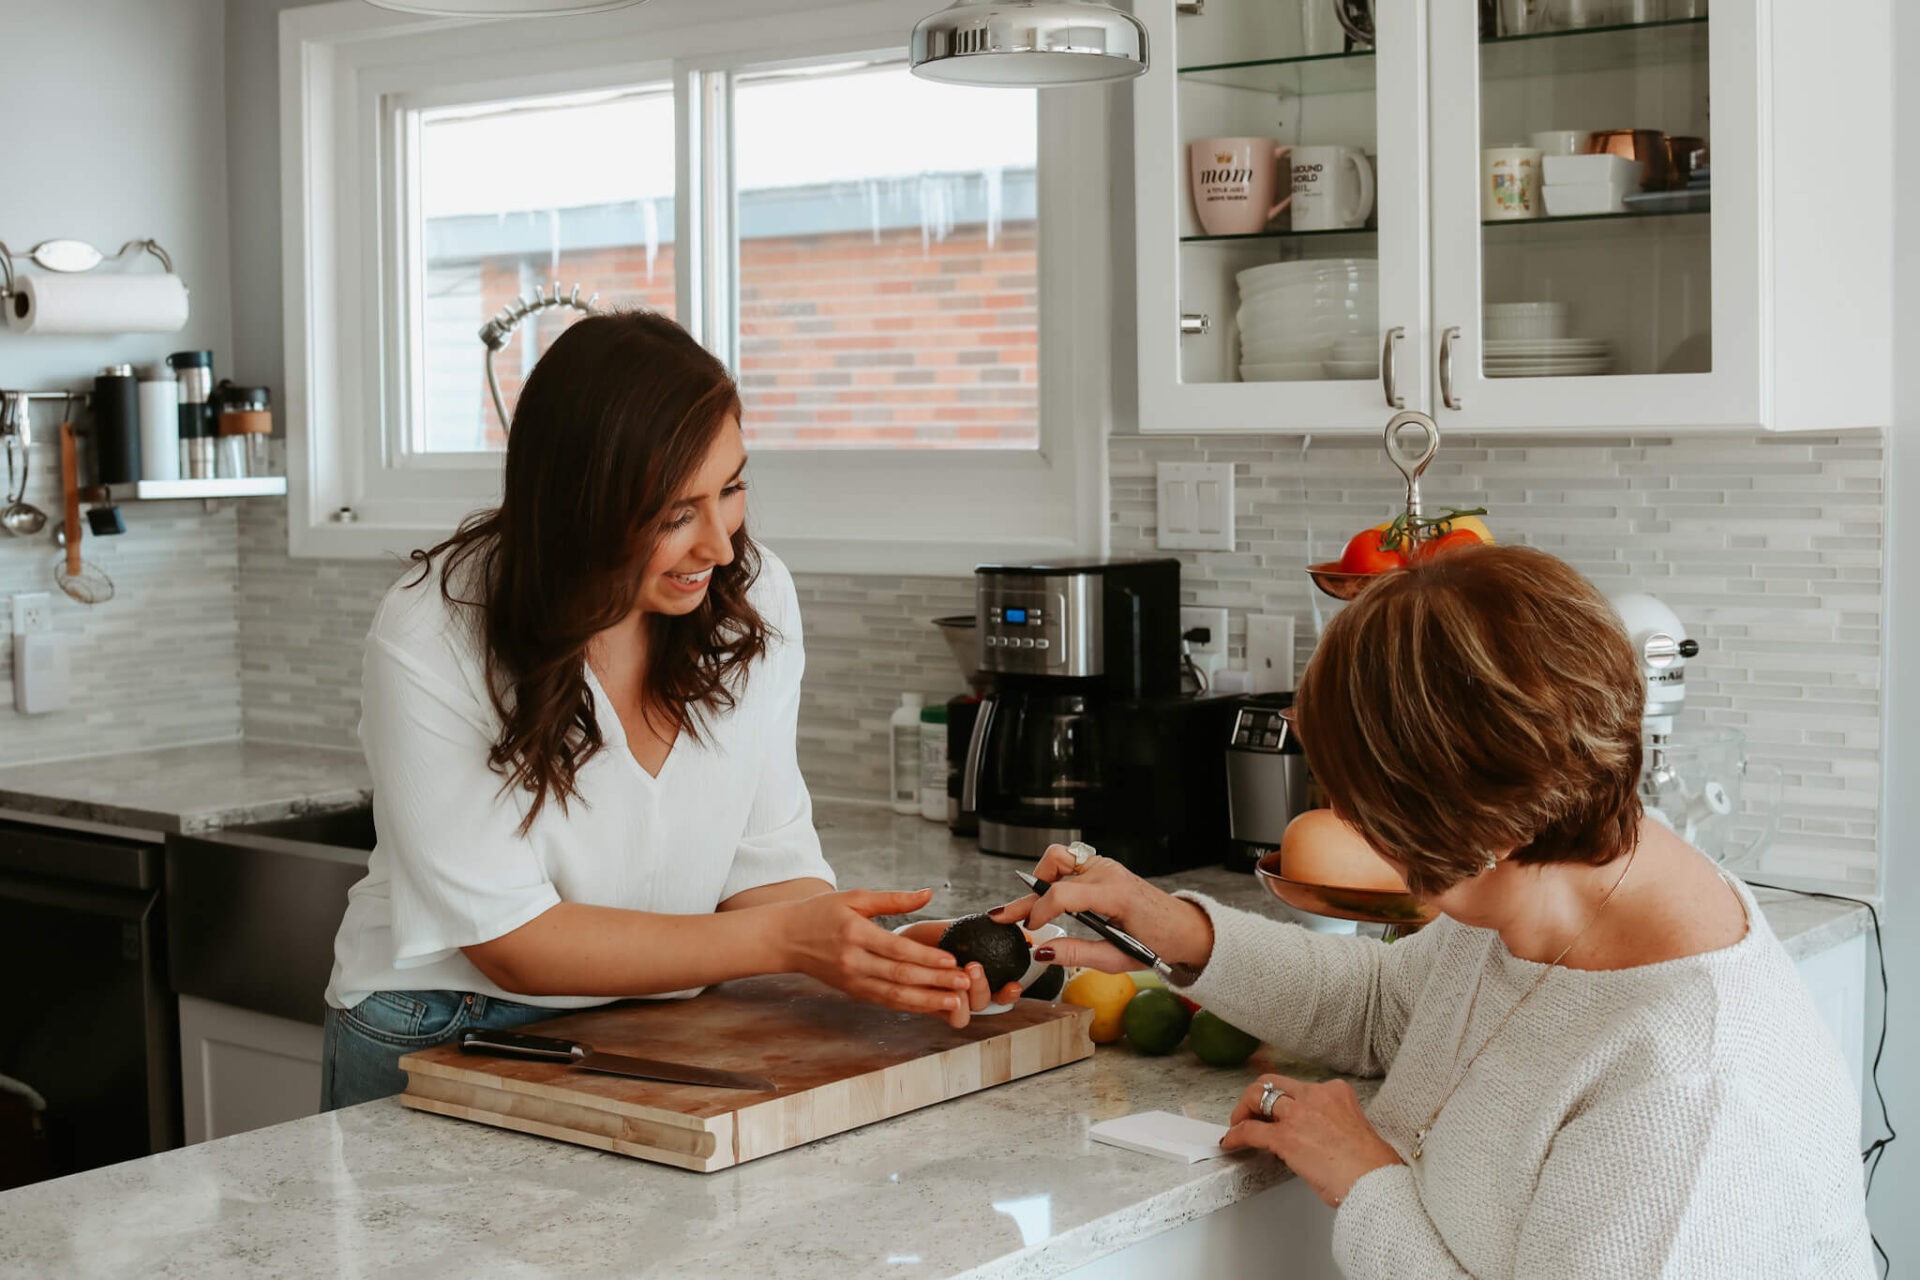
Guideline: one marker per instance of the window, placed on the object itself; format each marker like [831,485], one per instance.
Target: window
[888,261]
[911,281]
[515,198]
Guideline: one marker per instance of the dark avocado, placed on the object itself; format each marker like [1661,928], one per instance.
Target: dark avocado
[1001,949]
[1049,984]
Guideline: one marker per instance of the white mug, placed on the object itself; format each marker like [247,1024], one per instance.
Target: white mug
[1509,183]
[1235,182]
[1561,142]
[1332,188]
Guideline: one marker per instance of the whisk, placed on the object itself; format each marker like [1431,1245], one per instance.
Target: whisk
[497,332]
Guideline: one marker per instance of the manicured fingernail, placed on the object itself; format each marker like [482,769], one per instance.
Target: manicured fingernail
[1043,954]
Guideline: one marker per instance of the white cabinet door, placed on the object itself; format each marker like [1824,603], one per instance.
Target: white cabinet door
[1247,69]
[1663,320]
[242,1070]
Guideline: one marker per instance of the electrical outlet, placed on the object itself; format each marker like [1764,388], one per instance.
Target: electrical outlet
[1270,652]
[32,613]
[1211,656]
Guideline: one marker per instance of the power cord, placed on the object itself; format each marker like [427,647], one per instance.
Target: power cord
[1878,1147]
[1198,635]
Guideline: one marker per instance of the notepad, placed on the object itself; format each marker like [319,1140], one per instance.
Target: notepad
[1161,1133]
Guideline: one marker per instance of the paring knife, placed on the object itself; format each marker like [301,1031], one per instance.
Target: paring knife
[1178,974]
[517,1044]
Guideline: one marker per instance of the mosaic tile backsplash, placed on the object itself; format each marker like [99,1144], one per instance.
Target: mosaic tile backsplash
[1768,546]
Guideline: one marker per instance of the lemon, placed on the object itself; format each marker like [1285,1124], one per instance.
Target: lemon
[1219,1043]
[1107,995]
[1155,1022]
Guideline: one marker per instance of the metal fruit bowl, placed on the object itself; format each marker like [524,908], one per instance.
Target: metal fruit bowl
[1371,906]
[1341,586]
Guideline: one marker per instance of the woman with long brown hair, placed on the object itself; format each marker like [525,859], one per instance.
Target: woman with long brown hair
[579,712]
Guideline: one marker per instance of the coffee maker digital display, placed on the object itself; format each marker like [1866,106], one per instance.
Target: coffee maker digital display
[1084,734]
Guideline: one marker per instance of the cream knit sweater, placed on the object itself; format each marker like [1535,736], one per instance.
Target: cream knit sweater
[1685,1119]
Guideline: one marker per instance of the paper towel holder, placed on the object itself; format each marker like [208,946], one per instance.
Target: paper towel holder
[71,257]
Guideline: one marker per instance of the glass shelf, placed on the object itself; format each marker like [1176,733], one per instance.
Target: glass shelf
[1296,77]
[1629,216]
[1610,48]
[1282,235]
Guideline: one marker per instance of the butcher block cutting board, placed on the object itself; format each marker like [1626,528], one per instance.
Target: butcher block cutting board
[838,1063]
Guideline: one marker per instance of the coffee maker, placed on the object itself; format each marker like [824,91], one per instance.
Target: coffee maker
[1083,733]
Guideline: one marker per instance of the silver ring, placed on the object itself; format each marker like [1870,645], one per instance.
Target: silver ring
[1083,853]
[1270,1093]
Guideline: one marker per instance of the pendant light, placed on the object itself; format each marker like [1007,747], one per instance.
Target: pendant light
[1031,43]
[501,8]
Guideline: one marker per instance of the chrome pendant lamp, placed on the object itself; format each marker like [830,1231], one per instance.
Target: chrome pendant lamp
[501,8]
[1031,43]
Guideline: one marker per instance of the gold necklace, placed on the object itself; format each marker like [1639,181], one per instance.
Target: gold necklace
[1420,1135]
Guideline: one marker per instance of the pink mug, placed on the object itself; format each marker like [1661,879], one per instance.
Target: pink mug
[1234,183]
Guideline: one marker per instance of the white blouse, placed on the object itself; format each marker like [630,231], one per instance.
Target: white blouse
[726,814]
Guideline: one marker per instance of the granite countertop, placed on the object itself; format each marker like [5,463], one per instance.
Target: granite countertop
[1003,1183]
[189,789]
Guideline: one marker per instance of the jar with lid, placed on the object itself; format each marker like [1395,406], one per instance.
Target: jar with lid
[246,431]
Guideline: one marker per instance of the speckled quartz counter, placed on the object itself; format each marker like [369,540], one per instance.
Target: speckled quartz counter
[1004,1183]
[198,788]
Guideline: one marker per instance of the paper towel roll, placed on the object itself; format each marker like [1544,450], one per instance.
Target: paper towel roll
[97,304]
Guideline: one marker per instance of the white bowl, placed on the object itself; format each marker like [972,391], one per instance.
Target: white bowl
[1353,369]
[1566,171]
[1584,198]
[1524,321]
[1274,274]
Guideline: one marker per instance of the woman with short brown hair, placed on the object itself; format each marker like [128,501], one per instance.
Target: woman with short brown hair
[1598,1059]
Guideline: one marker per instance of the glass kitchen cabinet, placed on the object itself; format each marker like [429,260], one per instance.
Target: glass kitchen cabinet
[1723,265]
[1604,290]
[1304,318]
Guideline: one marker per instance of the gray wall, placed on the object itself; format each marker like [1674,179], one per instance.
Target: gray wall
[116,130]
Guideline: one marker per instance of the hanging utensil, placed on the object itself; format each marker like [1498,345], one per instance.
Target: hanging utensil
[80,580]
[20,517]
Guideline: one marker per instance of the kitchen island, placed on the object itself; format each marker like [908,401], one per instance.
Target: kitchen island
[1002,1183]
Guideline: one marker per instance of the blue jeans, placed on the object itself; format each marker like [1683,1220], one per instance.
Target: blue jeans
[360,1057]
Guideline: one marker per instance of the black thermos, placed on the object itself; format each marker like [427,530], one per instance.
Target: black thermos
[116,426]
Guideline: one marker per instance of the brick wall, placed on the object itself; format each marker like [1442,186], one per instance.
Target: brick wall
[847,339]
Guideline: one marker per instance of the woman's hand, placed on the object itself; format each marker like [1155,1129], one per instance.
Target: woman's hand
[1318,1129]
[831,937]
[978,996]
[1176,929]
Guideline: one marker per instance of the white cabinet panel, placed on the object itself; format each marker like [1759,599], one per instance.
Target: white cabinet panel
[242,1070]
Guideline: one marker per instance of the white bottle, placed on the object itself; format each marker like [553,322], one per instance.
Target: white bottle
[904,731]
[933,763]
[159,423]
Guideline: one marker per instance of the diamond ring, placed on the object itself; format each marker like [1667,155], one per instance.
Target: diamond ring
[1270,1093]
[1083,853]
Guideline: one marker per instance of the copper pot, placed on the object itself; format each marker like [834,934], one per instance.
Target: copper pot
[1648,146]
[1683,153]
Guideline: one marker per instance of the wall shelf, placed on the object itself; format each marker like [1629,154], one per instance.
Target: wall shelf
[164,490]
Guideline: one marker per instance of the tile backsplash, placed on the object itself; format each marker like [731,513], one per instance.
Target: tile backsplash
[1769,547]
[157,665]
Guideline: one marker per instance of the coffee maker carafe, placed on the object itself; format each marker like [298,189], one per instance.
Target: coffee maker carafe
[1083,734]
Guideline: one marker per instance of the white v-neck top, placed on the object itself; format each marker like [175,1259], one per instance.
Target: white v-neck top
[727,813]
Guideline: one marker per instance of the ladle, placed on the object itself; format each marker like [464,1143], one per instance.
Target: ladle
[20,518]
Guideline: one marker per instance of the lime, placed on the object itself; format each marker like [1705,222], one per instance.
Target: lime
[1217,1042]
[1155,1022]
[1148,980]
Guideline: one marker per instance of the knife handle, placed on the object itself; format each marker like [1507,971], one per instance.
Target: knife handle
[517,1044]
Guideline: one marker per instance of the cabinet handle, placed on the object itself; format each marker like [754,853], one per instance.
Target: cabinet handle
[1193,323]
[1446,367]
[1394,399]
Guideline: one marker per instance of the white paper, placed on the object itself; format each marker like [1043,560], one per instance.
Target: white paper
[98,304]
[1161,1133]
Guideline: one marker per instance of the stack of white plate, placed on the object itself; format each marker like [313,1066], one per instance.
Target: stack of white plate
[1309,320]
[1547,357]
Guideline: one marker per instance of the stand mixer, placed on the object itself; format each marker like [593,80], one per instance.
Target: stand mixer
[1691,782]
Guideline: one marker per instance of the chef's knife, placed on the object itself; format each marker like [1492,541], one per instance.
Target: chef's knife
[517,1044]
[1130,946]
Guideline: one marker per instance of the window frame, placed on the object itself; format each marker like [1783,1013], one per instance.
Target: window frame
[350,72]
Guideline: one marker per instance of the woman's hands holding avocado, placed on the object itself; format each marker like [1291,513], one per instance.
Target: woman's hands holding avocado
[832,937]
[1176,929]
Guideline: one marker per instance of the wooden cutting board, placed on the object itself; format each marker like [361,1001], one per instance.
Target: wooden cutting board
[839,1063]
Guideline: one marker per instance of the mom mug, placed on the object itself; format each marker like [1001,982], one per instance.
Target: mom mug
[1234,183]
[1332,188]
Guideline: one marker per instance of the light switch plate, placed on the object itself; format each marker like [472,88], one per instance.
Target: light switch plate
[1195,506]
[1270,652]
